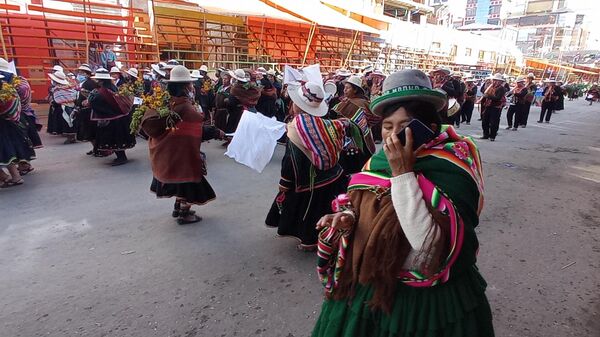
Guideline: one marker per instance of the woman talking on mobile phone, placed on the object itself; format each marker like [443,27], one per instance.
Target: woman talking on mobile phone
[398,256]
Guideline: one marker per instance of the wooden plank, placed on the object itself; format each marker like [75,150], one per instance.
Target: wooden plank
[196,14]
[42,9]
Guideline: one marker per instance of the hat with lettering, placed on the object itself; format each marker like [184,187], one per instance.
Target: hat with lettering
[408,85]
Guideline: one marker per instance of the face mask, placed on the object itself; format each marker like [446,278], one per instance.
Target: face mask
[191,94]
[81,78]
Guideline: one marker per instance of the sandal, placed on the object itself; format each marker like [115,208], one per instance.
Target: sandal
[11,183]
[307,248]
[24,172]
[183,214]
[177,210]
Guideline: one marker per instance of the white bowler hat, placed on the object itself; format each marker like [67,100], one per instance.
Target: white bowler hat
[132,72]
[180,74]
[204,68]
[310,98]
[196,74]
[443,70]
[59,77]
[520,79]
[239,74]
[261,70]
[58,68]
[550,80]
[271,72]
[102,74]
[115,70]
[531,75]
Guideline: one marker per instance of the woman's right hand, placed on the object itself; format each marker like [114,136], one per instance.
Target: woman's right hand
[339,220]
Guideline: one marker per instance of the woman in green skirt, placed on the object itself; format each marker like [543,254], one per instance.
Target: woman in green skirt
[397,258]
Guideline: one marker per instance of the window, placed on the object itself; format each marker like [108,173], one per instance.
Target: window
[436,45]
[453,50]
[494,10]
[470,12]
[468,52]
[495,22]
[481,55]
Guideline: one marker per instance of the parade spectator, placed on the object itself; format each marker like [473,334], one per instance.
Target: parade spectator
[108,58]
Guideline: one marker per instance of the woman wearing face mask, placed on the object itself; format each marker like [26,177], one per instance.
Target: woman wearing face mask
[398,259]
[113,133]
[86,128]
[178,166]
[117,77]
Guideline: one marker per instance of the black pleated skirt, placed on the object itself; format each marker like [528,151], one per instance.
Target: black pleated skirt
[194,193]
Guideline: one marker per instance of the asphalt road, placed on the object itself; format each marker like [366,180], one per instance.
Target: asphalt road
[87,250]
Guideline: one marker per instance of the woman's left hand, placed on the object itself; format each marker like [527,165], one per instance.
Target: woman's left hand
[401,157]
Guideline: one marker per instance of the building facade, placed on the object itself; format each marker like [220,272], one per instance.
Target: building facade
[547,28]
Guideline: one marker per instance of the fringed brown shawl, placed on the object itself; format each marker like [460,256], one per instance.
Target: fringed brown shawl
[175,155]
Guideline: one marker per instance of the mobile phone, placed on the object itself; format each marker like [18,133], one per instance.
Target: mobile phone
[420,132]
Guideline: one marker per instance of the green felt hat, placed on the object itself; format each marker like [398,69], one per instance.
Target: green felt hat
[408,85]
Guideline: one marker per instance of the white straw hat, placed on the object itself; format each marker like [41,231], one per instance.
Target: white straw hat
[343,72]
[239,74]
[133,72]
[196,74]
[115,70]
[102,74]
[4,66]
[310,98]
[58,68]
[204,68]
[550,80]
[180,74]
[498,77]
[59,77]
[356,81]
[157,69]
[520,79]
[271,72]
[85,67]
[171,64]
[261,70]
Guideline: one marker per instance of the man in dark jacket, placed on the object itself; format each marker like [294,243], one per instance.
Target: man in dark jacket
[492,102]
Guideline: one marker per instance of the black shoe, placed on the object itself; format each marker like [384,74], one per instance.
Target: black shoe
[90,152]
[547,122]
[118,162]
[540,121]
[508,128]
[484,137]
[468,123]
[492,139]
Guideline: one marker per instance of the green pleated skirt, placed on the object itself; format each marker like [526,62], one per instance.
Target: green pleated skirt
[457,308]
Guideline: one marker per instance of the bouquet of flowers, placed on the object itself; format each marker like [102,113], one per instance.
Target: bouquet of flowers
[134,89]
[10,104]
[155,109]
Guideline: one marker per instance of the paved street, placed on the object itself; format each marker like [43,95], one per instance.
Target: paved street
[87,250]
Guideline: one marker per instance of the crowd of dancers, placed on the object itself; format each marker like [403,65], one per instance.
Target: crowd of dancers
[338,194]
